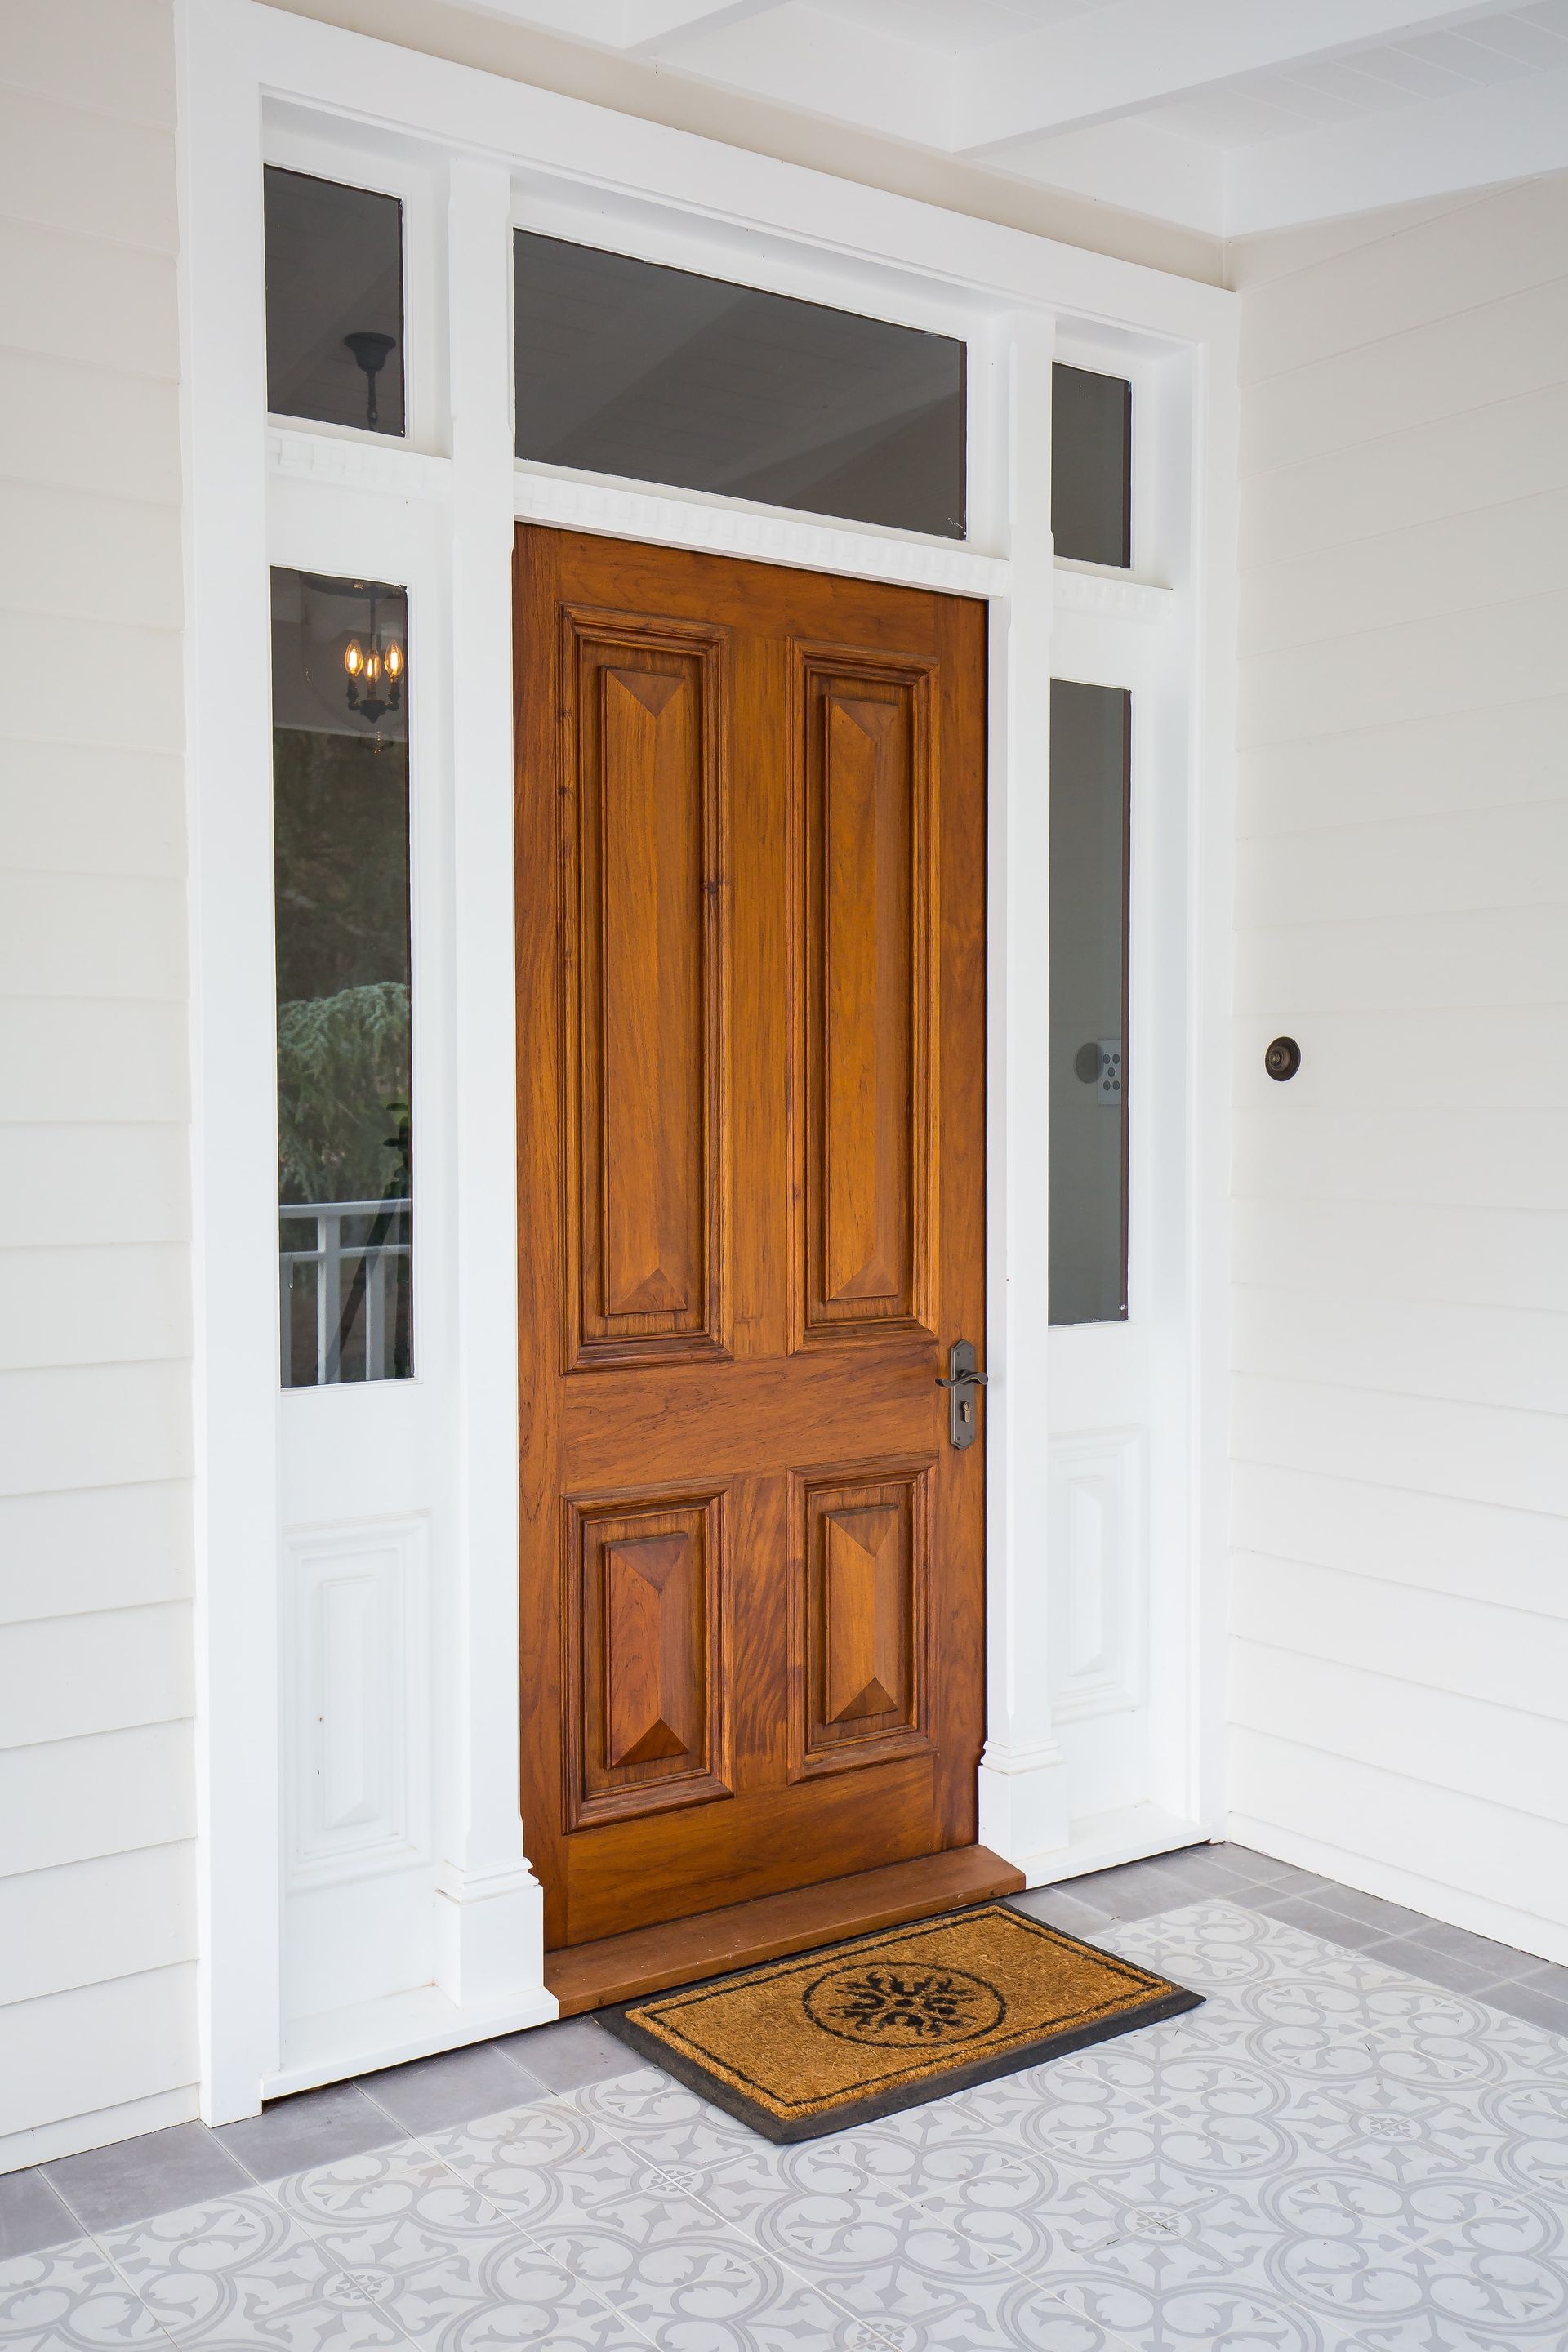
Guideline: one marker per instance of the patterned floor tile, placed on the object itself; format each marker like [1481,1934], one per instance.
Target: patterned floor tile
[603,2208]
[1332,2154]
[69,2299]
[441,2262]
[518,2160]
[920,2283]
[239,2272]
[692,2289]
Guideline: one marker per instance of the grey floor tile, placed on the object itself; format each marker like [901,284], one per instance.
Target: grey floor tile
[1132,1892]
[1190,1872]
[1522,1998]
[1499,1962]
[453,2088]
[1258,1869]
[1289,1880]
[312,2127]
[1543,1976]
[1388,1919]
[134,2179]
[1316,1919]
[1436,1965]
[566,2055]
[1058,1907]
[31,2215]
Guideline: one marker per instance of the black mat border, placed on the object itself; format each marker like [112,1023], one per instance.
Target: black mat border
[787,2132]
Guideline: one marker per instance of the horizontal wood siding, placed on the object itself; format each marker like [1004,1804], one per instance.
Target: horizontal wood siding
[1400,1595]
[96,1785]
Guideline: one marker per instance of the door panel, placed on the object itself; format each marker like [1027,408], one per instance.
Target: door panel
[648,1044]
[861,1554]
[866,736]
[646,1682]
[751,886]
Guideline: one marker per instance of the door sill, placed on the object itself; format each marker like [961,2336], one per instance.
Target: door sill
[683,1951]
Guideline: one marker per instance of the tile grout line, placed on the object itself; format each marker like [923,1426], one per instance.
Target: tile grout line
[90,2236]
[509,2221]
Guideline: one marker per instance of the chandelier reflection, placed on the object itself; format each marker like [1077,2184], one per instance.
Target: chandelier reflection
[374,670]
[355,642]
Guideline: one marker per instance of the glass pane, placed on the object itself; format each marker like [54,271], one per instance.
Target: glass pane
[1091,466]
[1090,806]
[623,367]
[340,770]
[334,302]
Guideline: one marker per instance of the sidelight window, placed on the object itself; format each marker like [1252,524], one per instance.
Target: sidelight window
[1091,809]
[625,367]
[339,754]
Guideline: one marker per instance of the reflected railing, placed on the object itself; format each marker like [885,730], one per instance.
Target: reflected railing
[344,1269]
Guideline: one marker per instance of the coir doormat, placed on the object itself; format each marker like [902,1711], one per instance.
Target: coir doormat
[824,2040]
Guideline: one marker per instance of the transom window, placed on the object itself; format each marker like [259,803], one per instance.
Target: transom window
[626,367]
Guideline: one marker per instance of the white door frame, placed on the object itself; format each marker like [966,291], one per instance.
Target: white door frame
[254,82]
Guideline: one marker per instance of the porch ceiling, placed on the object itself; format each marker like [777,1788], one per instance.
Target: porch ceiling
[1227,116]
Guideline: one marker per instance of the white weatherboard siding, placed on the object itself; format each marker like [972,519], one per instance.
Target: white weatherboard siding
[1400,1610]
[97,1792]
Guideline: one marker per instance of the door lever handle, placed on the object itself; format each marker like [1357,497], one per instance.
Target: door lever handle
[964,1377]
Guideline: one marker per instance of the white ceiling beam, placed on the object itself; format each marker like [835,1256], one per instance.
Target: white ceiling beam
[652,25]
[1137,165]
[1504,130]
[803,57]
[599,21]
[1113,61]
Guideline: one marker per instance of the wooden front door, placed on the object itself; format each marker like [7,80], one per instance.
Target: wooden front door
[751,1018]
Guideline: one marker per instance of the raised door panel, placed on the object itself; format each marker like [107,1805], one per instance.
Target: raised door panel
[860,1566]
[865,908]
[646,971]
[645,1675]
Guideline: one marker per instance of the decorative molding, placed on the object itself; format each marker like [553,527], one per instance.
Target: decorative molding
[356,1700]
[1103,596]
[764,538]
[355,465]
[1096,1542]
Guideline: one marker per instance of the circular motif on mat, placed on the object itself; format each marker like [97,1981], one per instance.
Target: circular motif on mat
[904,2008]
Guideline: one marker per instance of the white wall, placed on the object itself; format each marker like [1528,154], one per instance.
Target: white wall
[97,2018]
[1400,1660]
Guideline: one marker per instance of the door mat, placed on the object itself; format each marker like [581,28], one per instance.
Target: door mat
[825,2040]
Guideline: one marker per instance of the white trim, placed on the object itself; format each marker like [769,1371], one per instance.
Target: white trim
[729,529]
[299,454]
[1004,291]
[1110,595]
[393,2030]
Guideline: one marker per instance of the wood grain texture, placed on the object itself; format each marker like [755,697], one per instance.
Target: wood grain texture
[860,1571]
[689,726]
[862,731]
[645,1684]
[619,1967]
[647,1013]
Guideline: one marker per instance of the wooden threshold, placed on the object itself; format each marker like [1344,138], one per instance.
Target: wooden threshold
[683,1951]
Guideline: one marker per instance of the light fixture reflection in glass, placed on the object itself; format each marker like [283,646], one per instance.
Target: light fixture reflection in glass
[375,672]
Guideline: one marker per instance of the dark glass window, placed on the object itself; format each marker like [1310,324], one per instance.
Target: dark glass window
[1091,466]
[334,302]
[340,769]
[1091,809]
[623,367]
